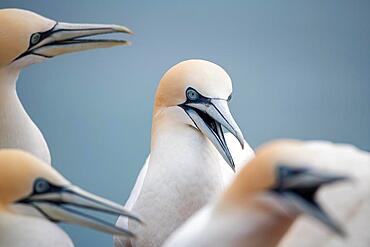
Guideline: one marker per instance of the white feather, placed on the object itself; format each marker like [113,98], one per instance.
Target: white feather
[255,223]
[349,202]
[240,156]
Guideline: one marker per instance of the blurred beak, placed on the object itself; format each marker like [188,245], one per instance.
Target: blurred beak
[210,117]
[65,38]
[301,189]
[65,204]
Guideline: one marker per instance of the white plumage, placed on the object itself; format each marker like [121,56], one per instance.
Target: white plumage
[21,44]
[189,162]
[264,220]
[347,202]
[34,197]
[241,157]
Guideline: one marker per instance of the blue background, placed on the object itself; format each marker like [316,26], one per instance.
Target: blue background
[300,69]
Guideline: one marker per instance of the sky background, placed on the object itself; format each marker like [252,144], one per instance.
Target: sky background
[300,69]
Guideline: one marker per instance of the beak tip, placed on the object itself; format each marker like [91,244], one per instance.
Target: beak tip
[344,178]
[335,179]
[133,236]
[140,221]
[339,231]
[240,138]
[232,165]
[134,217]
[130,235]
[342,233]
[124,29]
[125,233]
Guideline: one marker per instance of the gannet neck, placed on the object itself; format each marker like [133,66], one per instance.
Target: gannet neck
[174,140]
[18,230]
[257,224]
[184,172]
[8,79]
[17,129]
[261,223]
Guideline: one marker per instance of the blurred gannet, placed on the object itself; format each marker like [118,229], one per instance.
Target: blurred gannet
[34,196]
[348,203]
[27,38]
[185,169]
[270,193]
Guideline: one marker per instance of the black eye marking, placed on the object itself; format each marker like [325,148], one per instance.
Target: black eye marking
[191,94]
[35,38]
[39,36]
[41,186]
[230,96]
[285,172]
[193,97]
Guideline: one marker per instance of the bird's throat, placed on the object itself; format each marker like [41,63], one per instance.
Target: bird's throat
[8,81]
[17,130]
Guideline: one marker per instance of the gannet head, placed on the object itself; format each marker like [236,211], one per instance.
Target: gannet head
[282,168]
[27,38]
[200,90]
[27,183]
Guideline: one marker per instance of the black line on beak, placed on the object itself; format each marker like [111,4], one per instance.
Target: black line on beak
[300,185]
[42,36]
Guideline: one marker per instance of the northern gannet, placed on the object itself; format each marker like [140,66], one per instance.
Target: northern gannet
[189,153]
[349,203]
[27,38]
[34,196]
[271,192]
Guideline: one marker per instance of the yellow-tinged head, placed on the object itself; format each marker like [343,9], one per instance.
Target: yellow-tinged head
[26,37]
[265,165]
[16,28]
[28,183]
[207,78]
[18,172]
[287,170]
[197,92]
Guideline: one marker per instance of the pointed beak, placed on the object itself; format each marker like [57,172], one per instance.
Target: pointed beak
[301,190]
[66,204]
[210,117]
[65,38]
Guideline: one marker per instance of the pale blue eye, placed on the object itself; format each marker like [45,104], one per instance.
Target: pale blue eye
[229,98]
[41,186]
[191,94]
[35,38]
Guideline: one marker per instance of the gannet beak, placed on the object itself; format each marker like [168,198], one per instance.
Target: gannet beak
[209,116]
[65,204]
[300,190]
[66,38]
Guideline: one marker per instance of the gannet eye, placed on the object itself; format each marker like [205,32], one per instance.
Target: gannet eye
[229,98]
[41,186]
[35,38]
[191,94]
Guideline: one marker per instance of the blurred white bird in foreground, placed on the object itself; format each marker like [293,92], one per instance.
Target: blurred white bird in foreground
[27,38]
[288,178]
[348,202]
[33,196]
[189,154]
